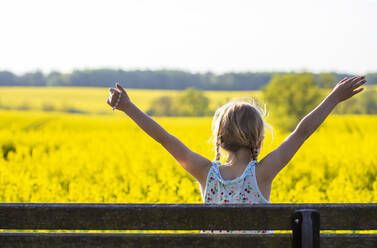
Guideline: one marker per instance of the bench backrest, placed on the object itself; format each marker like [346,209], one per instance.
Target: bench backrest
[91,216]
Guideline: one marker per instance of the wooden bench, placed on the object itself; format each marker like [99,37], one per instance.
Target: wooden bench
[305,221]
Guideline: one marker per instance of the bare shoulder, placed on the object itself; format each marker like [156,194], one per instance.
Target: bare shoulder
[262,171]
[204,172]
[197,165]
[203,178]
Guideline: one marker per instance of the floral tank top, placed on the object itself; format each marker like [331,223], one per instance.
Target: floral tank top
[243,189]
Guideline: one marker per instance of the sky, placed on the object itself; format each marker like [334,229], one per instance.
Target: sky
[191,35]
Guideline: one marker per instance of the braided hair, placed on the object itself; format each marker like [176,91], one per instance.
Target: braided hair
[217,151]
[254,152]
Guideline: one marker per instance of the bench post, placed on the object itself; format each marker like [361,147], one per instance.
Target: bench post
[305,228]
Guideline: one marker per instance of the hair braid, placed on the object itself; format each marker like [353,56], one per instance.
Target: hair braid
[217,152]
[254,152]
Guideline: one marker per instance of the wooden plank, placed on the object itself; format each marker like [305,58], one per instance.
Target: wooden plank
[82,240]
[109,240]
[330,240]
[89,216]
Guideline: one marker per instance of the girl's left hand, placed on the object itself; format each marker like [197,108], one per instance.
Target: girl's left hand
[348,87]
[118,98]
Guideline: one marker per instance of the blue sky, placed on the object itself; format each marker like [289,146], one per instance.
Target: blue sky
[194,35]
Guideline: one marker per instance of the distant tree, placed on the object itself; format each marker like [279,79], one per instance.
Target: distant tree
[160,79]
[327,80]
[55,78]
[193,102]
[162,106]
[33,79]
[369,101]
[351,106]
[290,97]
[7,78]
[371,78]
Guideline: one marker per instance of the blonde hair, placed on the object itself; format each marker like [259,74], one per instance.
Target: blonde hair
[239,123]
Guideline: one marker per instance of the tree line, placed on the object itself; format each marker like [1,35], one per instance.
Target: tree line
[288,96]
[161,79]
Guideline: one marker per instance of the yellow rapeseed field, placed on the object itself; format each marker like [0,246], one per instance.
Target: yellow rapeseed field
[59,157]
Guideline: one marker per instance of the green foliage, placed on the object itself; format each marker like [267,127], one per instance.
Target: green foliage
[191,102]
[351,106]
[36,78]
[327,80]
[162,106]
[369,102]
[161,79]
[55,78]
[7,78]
[371,78]
[290,97]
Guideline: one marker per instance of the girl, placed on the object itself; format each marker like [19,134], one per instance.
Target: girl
[238,129]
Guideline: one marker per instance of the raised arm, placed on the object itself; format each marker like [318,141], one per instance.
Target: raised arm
[192,162]
[278,158]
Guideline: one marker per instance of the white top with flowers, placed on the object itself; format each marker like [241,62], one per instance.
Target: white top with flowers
[243,189]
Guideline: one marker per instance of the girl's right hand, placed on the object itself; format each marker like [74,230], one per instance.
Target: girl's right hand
[347,88]
[113,98]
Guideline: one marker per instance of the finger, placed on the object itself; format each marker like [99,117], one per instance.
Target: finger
[357,91]
[351,79]
[113,97]
[354,82]
[357,78]
[112,90]
[359,83]
[120,88]
[114,94]
[344,79]
[360,78]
